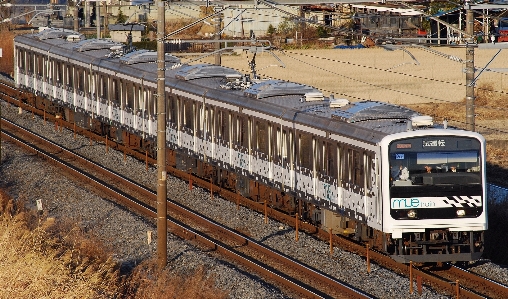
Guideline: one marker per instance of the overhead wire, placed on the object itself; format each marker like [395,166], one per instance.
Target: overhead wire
[383,70]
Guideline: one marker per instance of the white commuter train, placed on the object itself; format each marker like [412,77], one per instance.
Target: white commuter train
[358,168]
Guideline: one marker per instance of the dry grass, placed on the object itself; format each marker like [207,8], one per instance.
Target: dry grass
[42,257]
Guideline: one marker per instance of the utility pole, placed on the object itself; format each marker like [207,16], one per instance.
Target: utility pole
[470,98]
[98,18]
[75,15]
[162,230]
[218,21]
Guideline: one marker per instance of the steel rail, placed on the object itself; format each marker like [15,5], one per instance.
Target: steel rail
[381,259]
[184,230]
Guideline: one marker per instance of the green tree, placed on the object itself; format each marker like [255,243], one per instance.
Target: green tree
[121,18]
[436,7]
[287,27]
[322,32]
[270,30]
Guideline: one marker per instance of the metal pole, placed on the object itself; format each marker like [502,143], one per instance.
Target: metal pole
[98,18]
[76,20]
[218,21]
[470,121]
[162,229]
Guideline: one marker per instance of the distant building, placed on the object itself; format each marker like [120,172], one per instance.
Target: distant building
[119,32]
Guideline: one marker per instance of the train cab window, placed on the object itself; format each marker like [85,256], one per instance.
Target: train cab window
[436,167]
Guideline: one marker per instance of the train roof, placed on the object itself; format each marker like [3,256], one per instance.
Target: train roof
[369,121]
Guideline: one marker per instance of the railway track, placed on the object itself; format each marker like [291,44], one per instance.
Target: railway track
[293,275]
[437,279]
[482,286]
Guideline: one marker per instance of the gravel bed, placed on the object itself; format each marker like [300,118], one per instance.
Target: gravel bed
[32,178]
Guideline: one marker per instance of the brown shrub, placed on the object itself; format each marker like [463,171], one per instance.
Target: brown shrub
[146,282]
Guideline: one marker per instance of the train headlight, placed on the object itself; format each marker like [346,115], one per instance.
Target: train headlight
[411,214]
[461,213]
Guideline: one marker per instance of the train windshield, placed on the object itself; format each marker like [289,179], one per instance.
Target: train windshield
[436,177]
[435,168]
[435,161]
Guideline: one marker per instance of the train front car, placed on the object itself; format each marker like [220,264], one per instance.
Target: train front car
[435,198]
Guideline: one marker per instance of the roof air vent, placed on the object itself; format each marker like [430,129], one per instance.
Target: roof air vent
[338,103]
[422,121]
[314,96]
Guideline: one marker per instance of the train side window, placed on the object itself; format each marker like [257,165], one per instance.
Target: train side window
[318,155]
[261,133]
[242,134]
[40,65]
[212,130]
[206,122]
[187,114]
[104,86]
[130,90]
[153,97]
[115,91]
[172,106]
[49,70]
[81,79]
[198,119]
[139,102]
[356,167]
[69,74]
[305,150]
[30,65]
[21,59]
[369,170]
[329,159]
[223,125]
[277,145]
[344,163]
[58,72]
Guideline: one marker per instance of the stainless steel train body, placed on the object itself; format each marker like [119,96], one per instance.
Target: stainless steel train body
[282,142]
